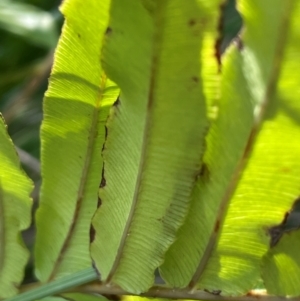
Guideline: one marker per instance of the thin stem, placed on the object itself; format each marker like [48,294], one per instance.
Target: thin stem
[169,293]
[35,292]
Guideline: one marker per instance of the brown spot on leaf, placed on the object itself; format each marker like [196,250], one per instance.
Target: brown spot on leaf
[92,234]
[217,226]
[117,102]
[105,137]
[195,79]
[103,180]
[218,43]
[285,170]
[291,221]
[79,35]
[106,131]
[204,172]
[192,22]
[99,202]
[214,292]
[108,31]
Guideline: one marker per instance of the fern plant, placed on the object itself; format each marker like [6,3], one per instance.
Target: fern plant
[156,155]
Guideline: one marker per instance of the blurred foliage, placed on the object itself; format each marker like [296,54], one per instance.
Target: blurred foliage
[29,31]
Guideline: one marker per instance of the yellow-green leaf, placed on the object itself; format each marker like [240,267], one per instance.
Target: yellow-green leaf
[155,139]
[73,132]
[15,216]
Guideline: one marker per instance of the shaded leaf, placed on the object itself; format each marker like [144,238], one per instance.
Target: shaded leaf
[230,217]
[155,137]
[225,146]
[15,216]
[281,263]
[281,266]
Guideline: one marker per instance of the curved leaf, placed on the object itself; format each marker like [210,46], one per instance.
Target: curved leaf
[281,263]
[230,217]
[155,137]
[73,132]
[15,216]
[226,141]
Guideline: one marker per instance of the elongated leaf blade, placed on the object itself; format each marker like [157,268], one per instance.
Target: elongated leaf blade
[155,136]
[15,216]
[231,248]
[225,146]
[281,263]
[73,132]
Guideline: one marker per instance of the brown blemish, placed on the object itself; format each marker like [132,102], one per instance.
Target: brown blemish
[79,35]
[218,43]
[214,292]
[105,137]
[195,79]
[92,233]
[285,170]
[117,102]
[217,226]
[192,284]
[106,132]
[103,180]
[291,221]
[192,22]
[204,172]
[108,31]
[99,203]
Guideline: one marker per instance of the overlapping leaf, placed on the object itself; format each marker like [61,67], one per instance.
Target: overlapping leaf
[73,132]
[281,272]
[223,251]
[155,136]
[225,145]
[15,216]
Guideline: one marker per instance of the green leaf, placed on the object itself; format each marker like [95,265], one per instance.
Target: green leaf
[281,263]
[15,216]
[281,266]
[238,197]
[29,22]
[226,141]
[155,140]
[73,132]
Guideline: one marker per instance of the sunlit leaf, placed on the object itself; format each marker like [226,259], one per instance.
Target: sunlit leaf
[73,132]
[237,199]
[155,140]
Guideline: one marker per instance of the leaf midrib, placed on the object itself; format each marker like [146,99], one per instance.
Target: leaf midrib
[258,120]
[157,38]
[85,171]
